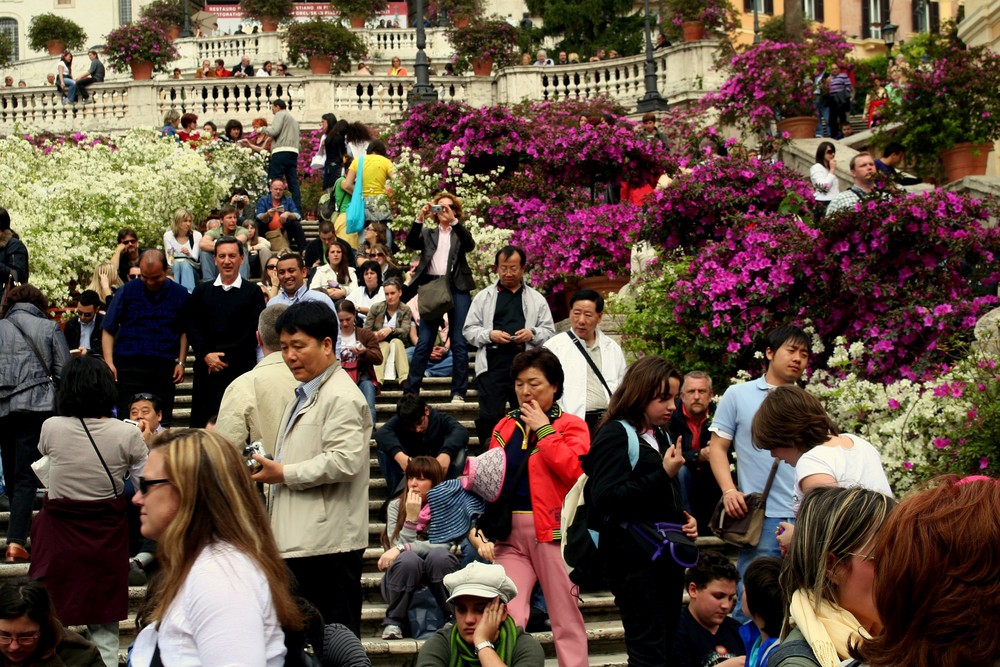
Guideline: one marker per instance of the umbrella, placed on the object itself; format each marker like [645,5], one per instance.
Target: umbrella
[204,20]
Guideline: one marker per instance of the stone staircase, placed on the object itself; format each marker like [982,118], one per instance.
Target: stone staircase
[604,629]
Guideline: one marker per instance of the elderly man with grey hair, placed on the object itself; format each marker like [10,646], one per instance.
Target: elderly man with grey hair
[252,405]
[542,59]
[483,633]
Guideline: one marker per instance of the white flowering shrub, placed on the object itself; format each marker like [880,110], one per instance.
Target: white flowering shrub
[68,198]
[413,185]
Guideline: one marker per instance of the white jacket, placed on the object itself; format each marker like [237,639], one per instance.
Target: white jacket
[479,322]
[575,367]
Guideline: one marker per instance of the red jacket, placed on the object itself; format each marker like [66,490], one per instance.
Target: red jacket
[553,466]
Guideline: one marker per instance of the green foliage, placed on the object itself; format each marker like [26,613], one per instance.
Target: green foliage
[491,38]
[45,28]
[470,8]
[774,29]
[865,72]
[267,9]
[368,9]
[164,12]
[587,25]
[327,39]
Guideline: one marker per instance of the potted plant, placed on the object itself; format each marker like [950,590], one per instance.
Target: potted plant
[694,17]
[461,12]
[168,13]
[772,82]
[483,44]
[950,111]
[269,12]
[325,44]
[139,47]
[55,33]
[359,11]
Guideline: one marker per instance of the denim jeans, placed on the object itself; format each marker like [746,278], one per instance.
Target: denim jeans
[438,369]
[186,274]
[367,388]
[767,546]
[70,88]
[427,334]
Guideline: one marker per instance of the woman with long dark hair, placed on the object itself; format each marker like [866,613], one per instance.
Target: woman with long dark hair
[823,175]
[336,278]
[80,537]
[369,290]
[223,594]
[334,148]
[648,593]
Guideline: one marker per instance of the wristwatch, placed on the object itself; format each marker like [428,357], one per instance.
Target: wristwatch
[481,645]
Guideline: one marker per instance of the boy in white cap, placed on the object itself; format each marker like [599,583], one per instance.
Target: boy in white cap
[483,633]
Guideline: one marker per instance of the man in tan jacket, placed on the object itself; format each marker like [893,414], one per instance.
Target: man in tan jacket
[252,406]
[318,495]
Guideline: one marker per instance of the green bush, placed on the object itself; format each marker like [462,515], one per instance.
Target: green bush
[45,28]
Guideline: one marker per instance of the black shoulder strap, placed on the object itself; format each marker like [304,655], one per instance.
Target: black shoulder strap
[770,481]
[797,648]
[597,371]
[114,487]
[34,348]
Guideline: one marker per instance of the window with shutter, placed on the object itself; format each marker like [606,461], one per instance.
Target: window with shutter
[769,7]
[8,26]
[935,17]
[866,19]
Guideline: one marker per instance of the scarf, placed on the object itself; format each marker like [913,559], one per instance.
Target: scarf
[829,630]
[463,655]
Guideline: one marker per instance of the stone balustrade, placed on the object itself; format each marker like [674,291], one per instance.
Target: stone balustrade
[683,72]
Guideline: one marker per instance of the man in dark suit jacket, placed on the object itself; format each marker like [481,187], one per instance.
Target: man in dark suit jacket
[83,332]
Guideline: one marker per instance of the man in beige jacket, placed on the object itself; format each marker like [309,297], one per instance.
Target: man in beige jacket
[252,406]
[318,495]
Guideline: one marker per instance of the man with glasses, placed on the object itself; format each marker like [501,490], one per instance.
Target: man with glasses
[143,341]
[276,210]
[83,331]
[505,319]
[127,253]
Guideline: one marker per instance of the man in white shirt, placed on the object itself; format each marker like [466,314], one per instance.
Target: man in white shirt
[83,332]
[593,364]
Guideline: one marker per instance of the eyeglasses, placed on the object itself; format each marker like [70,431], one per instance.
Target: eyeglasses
[85,316]
[862,556]
[146,484]
[25,639]
[830,152]
[378,254]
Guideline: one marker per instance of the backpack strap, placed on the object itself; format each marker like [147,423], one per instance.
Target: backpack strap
[797,648]
[633,442]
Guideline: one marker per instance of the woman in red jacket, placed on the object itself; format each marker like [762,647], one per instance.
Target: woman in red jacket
[549,442]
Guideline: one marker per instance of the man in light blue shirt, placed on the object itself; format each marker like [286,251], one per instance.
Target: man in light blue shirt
[787,354]
[292,278]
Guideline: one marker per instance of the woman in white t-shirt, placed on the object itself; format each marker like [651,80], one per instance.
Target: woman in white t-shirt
[793,425]
[224,595]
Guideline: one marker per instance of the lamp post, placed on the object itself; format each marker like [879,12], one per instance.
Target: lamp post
[186,30]
[756,23]
[889,35]
[652,100]
[422,91]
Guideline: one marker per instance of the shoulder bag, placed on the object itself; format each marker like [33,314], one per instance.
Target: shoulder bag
[356,209]
[435,298]
[590,361]
[744,531]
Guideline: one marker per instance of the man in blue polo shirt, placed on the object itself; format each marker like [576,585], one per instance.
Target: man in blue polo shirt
[787,354]
[143,341]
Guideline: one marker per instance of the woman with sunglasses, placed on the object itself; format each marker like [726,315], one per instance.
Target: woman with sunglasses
[823,175]
[383,257]
[80,537]
[269,284]
[648,593]
[223,597]
[30,633]
[375,234]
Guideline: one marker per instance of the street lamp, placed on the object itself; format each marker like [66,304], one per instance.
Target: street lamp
[186,30]
[756,22]
[889,35]
[422,91]
[652,100]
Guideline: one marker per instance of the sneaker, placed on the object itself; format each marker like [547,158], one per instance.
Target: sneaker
[458,399]
[392,631]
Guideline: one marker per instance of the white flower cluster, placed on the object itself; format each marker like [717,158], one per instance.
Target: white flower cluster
[414,185]
[68,201]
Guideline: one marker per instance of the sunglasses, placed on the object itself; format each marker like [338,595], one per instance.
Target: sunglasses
[130,242]
[146,484]
[144,396]
[134,276]
[378,254]
[271,267]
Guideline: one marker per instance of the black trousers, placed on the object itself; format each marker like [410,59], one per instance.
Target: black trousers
[332,583]
[649,599]
[146,374]
[19,432]
[496,392]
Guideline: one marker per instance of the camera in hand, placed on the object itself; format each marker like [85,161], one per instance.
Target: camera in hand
[437,208]
[255,448]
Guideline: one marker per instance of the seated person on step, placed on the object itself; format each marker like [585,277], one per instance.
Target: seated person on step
[706,635]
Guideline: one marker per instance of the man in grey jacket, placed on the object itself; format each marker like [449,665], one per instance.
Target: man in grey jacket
[95,74]
[285,149]
[505,319]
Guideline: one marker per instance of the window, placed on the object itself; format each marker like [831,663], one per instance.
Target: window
[124,11]
[873,14]
[763,6]
[8,26]
[813,10]
[926,17]
[64,4]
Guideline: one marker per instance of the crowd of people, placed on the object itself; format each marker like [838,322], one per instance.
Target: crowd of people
[292,340]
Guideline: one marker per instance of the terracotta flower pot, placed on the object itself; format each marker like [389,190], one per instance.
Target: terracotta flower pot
[798,127]
[142,70]
[460,20]
[692,31]
[604,285]
[55,47]
[269,25]
[319,64]
[965,160]
[482,66]
[358,21]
